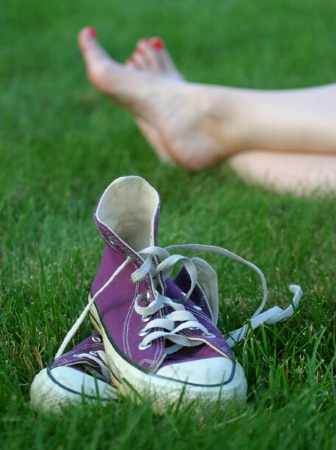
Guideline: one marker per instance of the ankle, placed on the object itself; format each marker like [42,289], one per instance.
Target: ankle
[225,121]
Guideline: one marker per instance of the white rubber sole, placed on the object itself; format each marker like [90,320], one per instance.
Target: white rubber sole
[55,388]
[137,383]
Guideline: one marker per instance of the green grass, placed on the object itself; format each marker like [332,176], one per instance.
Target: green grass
[61,144]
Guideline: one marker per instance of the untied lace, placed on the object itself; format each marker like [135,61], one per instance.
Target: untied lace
[185,318]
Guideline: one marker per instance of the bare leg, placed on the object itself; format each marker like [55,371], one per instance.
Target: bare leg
[300,173]
[197,125]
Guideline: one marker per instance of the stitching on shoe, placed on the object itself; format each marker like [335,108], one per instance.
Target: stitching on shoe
[129,316]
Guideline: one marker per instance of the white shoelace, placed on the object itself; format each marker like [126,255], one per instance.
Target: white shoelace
[180,314]
[86,310]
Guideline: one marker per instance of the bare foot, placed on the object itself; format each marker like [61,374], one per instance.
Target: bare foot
[176,117]
[197,125]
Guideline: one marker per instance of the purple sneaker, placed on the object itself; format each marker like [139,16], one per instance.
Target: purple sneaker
[159,334]
[158,339]
[80,373]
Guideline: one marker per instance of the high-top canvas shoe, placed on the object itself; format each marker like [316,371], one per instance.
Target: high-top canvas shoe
[80,374]
[159,340]
[159,333]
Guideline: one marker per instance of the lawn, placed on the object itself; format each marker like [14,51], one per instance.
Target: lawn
[62,143]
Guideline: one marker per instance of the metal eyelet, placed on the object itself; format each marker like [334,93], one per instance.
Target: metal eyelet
[93,353]
[209,335]
[143,332]
[111,241]
[148,297]
[197,307]
[145,318]
[76,356]
[144,347]
[129,255]
[145,298]
[193,328]
[96,339]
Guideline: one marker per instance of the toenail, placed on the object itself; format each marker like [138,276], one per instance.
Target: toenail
[92,32]
[139,51]
[157,44]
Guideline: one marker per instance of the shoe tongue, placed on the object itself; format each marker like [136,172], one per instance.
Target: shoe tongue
[203,351]
[173,291]
[181,284]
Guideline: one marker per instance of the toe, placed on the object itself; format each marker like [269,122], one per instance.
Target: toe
[163,58]
[102,70]
[145,56]
[130,63]
[89,45]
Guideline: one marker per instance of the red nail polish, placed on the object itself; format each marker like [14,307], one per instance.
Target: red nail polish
[92,32]
[139,51]
[157,44]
